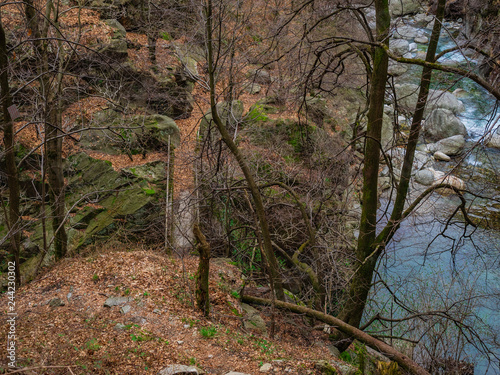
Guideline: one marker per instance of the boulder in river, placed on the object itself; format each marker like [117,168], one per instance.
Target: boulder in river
[404,7]
[442,123]
[399,46]
[449,146]
[438,155]
[430,177]
[494,141]
[407,96]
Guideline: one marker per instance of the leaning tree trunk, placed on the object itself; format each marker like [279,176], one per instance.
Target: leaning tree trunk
[12,178]
[274,275]
[416,125]
[380,346]
[370,246]
[352,311]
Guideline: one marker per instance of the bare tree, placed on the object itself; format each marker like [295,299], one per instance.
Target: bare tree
[13,219]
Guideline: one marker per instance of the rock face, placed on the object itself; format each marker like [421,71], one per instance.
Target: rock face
[134,135]
[404,7]
[449,146]
[117,48]
[442,123]
[119,198]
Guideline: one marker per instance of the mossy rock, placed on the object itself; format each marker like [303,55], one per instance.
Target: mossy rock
[162,129]
[259,113]
[131,136]
[86,175]
[116,206]
[152,172]
[253,320]
[317,110]
[119,31]
[325,368]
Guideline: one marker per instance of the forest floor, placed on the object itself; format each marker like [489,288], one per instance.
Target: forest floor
[63,326]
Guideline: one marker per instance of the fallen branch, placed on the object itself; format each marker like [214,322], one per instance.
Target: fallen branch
[387,350]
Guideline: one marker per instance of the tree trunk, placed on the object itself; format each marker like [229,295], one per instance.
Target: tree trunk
[416,125]
[380,346]
[352,311]
[370,246]
[274,276]
[202,294]
[53,145]
[12,178]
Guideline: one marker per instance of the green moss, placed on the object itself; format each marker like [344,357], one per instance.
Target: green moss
[150,191]
[257,114]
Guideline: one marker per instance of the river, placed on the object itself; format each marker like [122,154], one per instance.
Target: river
[443,266]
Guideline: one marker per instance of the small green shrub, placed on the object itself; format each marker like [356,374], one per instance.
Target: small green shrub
[92,344]
[208,332]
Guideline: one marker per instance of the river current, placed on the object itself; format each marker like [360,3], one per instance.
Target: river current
[440,265]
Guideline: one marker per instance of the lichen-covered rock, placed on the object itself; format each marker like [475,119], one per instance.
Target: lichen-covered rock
[260,76]
[405,32]
[396,69]
[432,177]
[493,141]
[161,128]
[152,172]
[425,177]
[117,48]
[253,320]
[317,110]
[231,115]
[114,134]
[438,155]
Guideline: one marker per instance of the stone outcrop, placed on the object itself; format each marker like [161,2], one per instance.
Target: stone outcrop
[111,133]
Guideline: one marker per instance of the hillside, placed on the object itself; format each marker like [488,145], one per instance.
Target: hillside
[65,328]
[340,158]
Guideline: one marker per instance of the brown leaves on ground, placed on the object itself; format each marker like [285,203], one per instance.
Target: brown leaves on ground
[162,326]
